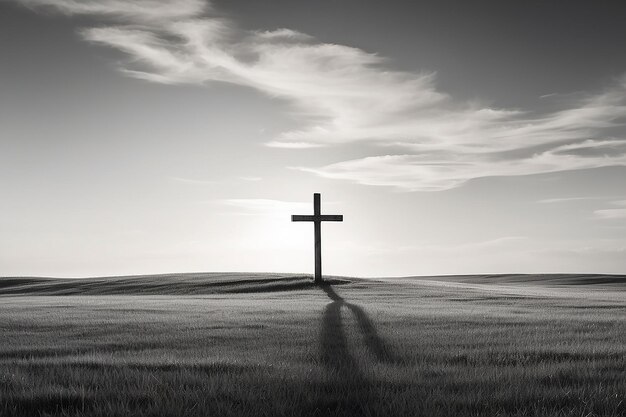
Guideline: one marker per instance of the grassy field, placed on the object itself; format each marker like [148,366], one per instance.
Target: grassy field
[275,345]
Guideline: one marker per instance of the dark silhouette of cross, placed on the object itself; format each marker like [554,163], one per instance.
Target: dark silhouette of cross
[317,218]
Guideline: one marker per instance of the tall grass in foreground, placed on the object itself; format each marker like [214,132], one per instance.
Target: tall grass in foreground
[363,349]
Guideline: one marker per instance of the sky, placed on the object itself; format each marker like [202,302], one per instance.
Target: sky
[147,136]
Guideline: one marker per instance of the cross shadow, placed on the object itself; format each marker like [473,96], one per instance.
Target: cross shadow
[334,347]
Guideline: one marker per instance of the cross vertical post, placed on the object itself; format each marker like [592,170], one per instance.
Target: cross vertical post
[317,218]
[318,238]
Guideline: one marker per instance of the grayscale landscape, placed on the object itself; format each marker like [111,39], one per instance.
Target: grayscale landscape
[460,165]
[238,344]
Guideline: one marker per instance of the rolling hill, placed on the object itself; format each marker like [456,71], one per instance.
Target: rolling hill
[239,282]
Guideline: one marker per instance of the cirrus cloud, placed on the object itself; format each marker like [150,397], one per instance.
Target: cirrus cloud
[432,172]
[613,213]
[344,95]
[125,9]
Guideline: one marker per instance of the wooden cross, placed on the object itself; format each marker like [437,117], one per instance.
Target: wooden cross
[317,218]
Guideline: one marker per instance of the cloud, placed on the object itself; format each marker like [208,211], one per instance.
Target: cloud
[612,213]
[432,172]
[570,199]
[344,95]
[293,145]
[126,9]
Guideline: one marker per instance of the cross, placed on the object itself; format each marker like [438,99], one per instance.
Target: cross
[317,218]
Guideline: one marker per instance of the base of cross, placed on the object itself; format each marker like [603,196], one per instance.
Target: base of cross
[332,281]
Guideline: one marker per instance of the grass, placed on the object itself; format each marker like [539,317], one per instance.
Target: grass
[275,345]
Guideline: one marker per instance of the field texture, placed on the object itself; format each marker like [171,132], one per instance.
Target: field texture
[275,345]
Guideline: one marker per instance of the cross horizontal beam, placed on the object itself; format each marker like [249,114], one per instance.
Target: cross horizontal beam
[321,218]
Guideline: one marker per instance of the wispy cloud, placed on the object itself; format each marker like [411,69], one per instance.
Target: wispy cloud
[345,95]
[570,199]
[613,213]
[428,172]
[145,10]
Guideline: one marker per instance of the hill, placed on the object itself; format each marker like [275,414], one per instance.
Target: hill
[239,282]
[164,284]
[604,280]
